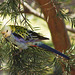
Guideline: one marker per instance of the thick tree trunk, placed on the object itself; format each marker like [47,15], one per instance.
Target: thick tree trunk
[56,25]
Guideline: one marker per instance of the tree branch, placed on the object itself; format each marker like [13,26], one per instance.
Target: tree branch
[70,29]
[34,12]
[29,9]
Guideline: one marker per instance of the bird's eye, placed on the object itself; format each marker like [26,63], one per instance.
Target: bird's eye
[7,31]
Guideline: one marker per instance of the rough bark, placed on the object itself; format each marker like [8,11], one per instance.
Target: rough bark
[56,25]
[73,71]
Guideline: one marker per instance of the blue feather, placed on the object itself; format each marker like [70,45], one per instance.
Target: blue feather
[52,50]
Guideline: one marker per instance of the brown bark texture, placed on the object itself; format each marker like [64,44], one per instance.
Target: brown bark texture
[56,25]
[73,71]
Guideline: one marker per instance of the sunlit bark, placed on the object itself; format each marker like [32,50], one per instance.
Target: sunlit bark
[56,25]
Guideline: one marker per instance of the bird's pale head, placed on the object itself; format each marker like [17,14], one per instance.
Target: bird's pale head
[6,31]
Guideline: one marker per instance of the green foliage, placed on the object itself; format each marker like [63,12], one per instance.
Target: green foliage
[69,64]
[64,0]
[57,67]
[33,60]
[30,61]
[65,16]
[9,7]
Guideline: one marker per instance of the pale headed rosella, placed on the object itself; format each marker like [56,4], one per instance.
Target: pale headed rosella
[23,38]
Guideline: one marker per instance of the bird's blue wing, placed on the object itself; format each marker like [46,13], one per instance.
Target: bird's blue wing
[18,38]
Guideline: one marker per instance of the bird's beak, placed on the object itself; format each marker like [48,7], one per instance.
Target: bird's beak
[3,34]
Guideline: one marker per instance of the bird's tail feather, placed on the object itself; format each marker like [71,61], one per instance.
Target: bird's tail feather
[52,50]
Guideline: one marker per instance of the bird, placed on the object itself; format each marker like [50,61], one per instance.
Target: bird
[23,38]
